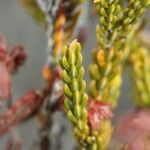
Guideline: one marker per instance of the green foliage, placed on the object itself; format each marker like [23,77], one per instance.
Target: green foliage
[76,101]
[115,32]
[109,15]
[74,89]
[132,14]
[115,21]
[116,27]
[106,74]
[140,64]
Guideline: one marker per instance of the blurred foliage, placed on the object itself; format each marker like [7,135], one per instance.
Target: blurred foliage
[32,7]
[140,64]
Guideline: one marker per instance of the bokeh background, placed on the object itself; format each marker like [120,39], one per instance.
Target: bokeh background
[18,27]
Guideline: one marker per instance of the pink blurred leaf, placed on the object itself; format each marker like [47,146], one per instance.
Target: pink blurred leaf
[15,58]
[98,111]
[2,47]
[22,109]
[5,82]
[13,144]
[133,129]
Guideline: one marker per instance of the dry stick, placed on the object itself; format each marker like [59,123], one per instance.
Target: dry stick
[15,136]
[50,9]
[56,20]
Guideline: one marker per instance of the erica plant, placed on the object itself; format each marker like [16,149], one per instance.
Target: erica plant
[89,106]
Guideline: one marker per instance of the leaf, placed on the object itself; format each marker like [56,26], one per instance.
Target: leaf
[32,7]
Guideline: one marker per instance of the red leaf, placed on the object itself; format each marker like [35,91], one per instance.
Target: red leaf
[2,47]
[5,82]
[98,111]
[16,58]
[21,110]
